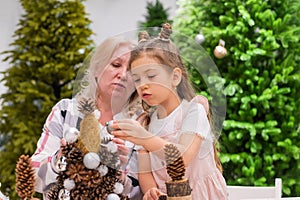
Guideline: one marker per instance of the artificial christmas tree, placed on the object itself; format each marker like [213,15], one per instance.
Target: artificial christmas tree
[261,77]
[155,17]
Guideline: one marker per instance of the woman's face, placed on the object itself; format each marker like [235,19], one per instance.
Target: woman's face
[114,82]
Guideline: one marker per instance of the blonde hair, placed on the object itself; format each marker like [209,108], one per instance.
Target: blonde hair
[97,61]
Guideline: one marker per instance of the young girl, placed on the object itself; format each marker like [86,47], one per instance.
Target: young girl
[162,83]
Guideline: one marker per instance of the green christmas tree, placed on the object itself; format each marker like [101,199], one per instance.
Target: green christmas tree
[52,40]
[155,17]
[261,71]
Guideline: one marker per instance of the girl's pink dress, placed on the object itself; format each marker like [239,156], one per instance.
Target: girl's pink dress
[206,181]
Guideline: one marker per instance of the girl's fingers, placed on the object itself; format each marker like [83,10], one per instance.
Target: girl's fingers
[118,141]
[124,124]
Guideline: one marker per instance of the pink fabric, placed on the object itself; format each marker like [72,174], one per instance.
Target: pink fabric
[203,101]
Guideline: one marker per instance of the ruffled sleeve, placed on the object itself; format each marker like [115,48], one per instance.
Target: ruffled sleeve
[195,120]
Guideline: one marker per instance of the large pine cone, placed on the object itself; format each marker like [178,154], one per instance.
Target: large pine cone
[25,177]
[175,164]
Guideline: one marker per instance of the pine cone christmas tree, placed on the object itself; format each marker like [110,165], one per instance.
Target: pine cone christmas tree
[85,177]
[25,177]
[178,187]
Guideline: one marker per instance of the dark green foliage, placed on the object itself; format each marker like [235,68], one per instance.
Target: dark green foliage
[156,16]
[51,41]
[260,139]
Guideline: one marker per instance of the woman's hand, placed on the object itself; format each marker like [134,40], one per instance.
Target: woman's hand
[131,130]
[122,149]
[152,194]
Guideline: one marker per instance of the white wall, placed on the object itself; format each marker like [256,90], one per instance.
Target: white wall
[109,17]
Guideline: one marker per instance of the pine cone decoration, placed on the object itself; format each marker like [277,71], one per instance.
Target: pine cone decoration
[175,165]
[76,172]
[80,192]
[109,158]
[92,178]
[89,139]
[73,153]
[25,177]
[52,194]
[86,106]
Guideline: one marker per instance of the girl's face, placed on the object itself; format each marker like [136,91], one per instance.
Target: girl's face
[114,82]
[155,83]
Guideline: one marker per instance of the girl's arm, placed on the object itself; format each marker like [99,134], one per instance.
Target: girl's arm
[147,182]
[145,177]
[189,145]
[195,128]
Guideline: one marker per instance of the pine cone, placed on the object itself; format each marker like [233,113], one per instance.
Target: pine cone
[92,178]
[86,106]
[89,139]
[175,165]
[109,158]
[76,172]
[80,192]
[73,154]
[109,180]
[52,194]
[25,177]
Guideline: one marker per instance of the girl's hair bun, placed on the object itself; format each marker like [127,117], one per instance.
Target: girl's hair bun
[165,32]
[143,36]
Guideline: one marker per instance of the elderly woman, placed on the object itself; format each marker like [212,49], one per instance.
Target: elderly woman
[108,87]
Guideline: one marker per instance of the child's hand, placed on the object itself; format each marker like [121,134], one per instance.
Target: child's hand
[152,194]
[130,130]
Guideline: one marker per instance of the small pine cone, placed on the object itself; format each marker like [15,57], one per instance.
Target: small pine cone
[75,155]
[175,164]
[92,178]
[86,106]
[52,194]
[76,172]
[62,176]
[25,177]
[108,158]
[109,180]
[100,193]
[67,148]
[80,192]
